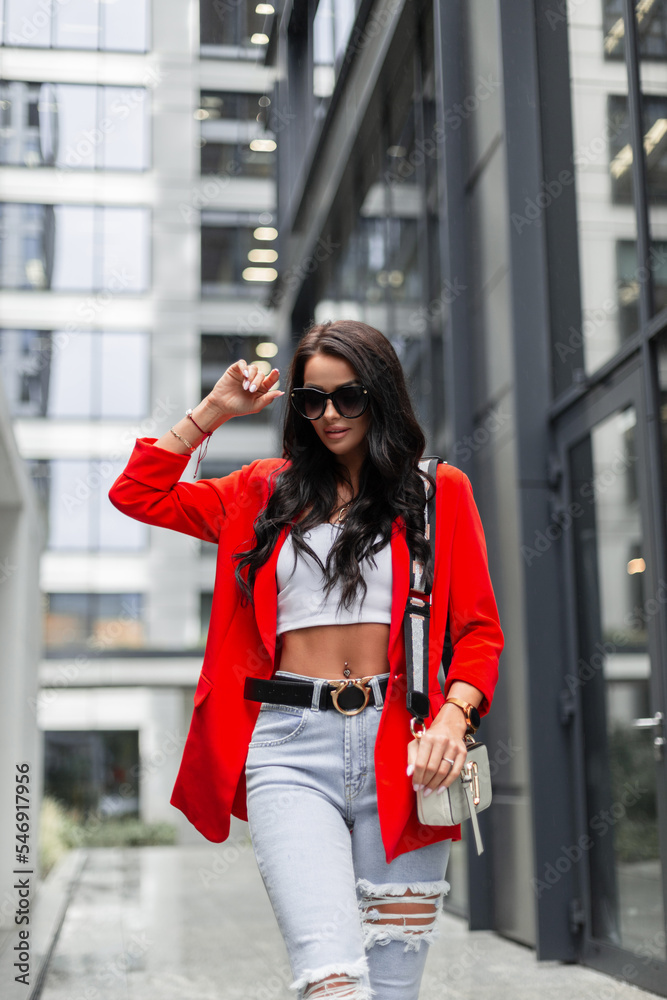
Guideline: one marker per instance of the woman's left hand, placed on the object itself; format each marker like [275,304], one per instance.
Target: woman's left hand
[438,756]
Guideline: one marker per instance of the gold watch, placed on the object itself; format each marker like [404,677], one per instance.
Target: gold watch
[470,712]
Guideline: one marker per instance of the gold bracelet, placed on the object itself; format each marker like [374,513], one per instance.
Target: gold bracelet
[186,443]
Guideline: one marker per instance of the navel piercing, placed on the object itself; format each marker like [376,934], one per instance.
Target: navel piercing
[346,670]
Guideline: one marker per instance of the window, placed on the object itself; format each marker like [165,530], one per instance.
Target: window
[73,126]
[651,29]
[74,248]
[94,622]
[120,26]
[94,771]
[332,25]
[81,518]
[234,138]
[55,373]
[654,128]
[242,23]
[237,254]
[628,273]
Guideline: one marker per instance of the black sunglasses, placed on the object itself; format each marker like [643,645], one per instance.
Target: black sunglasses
[350,401]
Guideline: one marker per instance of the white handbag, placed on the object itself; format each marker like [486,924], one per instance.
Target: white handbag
[465,797]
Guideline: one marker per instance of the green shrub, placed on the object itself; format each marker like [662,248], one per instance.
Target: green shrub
[61,829]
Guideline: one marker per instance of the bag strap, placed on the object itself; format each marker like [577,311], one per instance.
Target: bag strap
[418,612]
[467,788]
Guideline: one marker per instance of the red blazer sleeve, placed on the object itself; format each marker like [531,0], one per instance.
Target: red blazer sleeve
[474,625]
[149,490]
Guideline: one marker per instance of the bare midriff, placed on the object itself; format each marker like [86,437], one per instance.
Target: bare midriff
[327,650]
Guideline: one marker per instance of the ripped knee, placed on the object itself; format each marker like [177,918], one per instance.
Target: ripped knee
[336,987]
[337,981]
[401,912]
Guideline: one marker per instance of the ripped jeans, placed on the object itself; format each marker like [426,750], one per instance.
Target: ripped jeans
[354,926]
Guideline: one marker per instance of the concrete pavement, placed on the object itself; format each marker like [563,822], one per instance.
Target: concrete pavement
[194,923]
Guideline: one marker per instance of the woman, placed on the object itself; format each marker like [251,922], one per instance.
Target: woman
[300,723]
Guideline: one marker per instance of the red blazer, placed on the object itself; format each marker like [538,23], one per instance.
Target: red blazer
[242,641]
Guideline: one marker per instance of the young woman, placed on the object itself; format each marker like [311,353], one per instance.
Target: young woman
[300,723]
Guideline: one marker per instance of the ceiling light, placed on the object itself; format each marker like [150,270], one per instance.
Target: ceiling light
[263,256]
[265,233]
[259,38]
[259,274]
[266,350]
[262,145]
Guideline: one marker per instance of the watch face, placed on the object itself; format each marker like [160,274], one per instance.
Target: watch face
[474,717]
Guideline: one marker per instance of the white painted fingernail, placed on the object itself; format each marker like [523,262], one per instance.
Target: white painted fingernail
[410,770]
[417,787]
[427,791]
[253,388]
[245,372]
[440,789]
[246,384]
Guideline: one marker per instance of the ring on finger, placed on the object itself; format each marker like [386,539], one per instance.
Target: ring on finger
[448,761]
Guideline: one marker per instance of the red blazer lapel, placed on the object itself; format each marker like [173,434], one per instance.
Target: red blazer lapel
[400,567]
[265,595]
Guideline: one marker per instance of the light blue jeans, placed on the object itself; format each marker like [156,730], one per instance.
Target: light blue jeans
[313,818]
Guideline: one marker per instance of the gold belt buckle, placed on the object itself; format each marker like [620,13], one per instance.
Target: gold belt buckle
[341,685]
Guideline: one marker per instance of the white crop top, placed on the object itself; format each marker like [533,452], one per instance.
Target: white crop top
[301,601]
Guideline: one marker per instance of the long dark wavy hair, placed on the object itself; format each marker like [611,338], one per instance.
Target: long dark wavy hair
[390,482]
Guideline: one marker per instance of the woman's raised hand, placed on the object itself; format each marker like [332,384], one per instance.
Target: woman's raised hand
[244,388]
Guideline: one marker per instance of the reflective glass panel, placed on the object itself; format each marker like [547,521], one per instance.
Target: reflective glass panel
[652,33]
[603,180]
[71,389]
[77,25]
[124,25]
[78,138]
[74,247]
[123,364]
[651,28]
[125,263]
[94,622]
[75,374]
[612,678]
[74,126]
[120,25]
[226,23]
[80,515]
[74,242]
[236,261]
[126,113]
[235,140]
[27,23]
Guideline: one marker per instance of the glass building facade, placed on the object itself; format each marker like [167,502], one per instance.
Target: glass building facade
[485,183]
[137,248]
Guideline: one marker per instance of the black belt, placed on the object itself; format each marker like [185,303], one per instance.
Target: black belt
[348,696]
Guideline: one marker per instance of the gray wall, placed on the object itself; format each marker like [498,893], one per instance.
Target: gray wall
[21,540]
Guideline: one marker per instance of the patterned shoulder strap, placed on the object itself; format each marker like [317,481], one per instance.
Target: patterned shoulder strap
[418,612]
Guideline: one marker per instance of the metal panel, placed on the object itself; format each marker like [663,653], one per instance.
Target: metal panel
[526,117]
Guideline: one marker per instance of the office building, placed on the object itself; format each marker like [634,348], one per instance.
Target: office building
[137,197]
[485,183]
